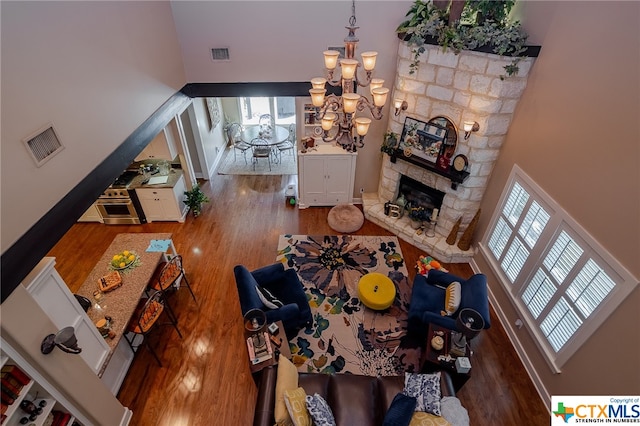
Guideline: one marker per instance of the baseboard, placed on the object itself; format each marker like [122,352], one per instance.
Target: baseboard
[515,342]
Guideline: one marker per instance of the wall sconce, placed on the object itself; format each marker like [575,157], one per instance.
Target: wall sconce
[399,105]
[470,126]
[65,339]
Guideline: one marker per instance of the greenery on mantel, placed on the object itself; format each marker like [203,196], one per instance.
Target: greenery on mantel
[479,24]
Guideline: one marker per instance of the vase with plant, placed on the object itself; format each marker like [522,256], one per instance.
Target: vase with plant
[418,216]
[194,199]
[482,25]
[389,143]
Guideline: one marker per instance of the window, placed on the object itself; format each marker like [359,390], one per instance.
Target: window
[283,109]
[562,282]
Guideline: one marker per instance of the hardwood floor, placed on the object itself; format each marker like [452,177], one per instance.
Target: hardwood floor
[205,378]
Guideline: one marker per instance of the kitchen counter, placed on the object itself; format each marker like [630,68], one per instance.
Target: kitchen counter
[120,303]
[173,175]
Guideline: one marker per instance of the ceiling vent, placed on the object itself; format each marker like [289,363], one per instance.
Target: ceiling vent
[43,145]
[220,53]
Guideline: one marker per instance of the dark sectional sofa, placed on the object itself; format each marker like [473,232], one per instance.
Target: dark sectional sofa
[354,400]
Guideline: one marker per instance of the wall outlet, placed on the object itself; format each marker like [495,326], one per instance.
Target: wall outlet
[362,190]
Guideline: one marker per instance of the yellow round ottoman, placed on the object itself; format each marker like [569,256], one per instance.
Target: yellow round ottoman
[376,291]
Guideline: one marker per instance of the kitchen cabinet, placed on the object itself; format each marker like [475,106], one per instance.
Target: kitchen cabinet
[36,390]
[164,204]
[161,147]
[91,215]
[326,176]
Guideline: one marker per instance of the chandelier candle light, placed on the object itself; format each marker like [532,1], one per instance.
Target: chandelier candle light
[334,110]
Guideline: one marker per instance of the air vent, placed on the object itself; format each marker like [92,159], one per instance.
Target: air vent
[220,53]
[44,145]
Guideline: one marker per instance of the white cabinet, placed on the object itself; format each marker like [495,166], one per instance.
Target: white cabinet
[36,390]
[52,294]
[326,176]
[164,204]
[160,148]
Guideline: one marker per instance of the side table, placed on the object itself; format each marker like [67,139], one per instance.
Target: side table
[430,362]
[283,349]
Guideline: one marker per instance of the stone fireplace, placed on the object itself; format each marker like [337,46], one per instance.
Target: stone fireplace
[468,86]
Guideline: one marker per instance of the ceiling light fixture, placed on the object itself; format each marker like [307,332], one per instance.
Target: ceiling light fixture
[340,111]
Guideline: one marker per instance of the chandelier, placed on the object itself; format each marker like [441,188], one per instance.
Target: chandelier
[337,113]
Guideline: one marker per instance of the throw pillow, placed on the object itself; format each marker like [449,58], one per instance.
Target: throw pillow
[287,379]
[453,411]
[400,411]
[426,389]
[452,299]
[268,299]
[421,418]
[295,401]
[320,411]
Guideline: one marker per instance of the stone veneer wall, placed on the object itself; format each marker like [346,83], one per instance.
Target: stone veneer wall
[466,86]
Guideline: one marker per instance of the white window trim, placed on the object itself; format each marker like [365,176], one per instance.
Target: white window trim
[560,220]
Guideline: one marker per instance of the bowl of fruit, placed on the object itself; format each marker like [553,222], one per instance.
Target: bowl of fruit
[123,260]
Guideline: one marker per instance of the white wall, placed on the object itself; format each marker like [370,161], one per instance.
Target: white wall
[96,70]
[213,140]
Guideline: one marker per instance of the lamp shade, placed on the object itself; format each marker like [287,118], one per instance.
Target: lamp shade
[380,96]
[255,320]
[328,120]
[318,82]
[317,96]
[362,125]
[331,59]
[369,60]
[349,102]
[468,125]
[375,83]
[469,322]
[349,67]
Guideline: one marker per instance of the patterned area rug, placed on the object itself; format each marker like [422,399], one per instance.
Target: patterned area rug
[346,336]
[237,166]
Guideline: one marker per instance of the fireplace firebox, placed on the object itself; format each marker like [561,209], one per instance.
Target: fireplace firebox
[419,194]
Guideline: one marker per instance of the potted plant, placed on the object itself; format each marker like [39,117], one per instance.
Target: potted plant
[389,143]
[484,25]
[418,215]
[194,199]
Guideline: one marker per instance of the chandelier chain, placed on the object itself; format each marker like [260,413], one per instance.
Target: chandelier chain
[352,19]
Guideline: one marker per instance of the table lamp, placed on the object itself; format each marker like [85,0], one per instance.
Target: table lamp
[469,324]
[254,322]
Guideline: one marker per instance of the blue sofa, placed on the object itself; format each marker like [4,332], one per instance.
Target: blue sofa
[428,297]
[284,285]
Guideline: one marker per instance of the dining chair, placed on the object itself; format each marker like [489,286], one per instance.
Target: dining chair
[145,319]
[233,137]
[261,149]
[288,144]
[169,277]
[265,121]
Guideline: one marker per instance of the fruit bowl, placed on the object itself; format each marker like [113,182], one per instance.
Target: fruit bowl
[123,259]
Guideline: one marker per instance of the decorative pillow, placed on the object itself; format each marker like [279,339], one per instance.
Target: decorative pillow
[268,299]
[453,411]
[295,400]
[400,411]
[452,299]
[287,379]
[320,411]
[426,389]
[420,418]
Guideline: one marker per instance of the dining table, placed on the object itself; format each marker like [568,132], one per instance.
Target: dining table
[119,304]
[278,134]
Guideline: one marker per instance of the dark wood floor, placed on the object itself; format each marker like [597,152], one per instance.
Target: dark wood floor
[205,378]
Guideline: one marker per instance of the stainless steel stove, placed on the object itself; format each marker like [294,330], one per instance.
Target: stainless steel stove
[119,205]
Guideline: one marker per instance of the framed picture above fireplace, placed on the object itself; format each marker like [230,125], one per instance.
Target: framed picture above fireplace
[421,139]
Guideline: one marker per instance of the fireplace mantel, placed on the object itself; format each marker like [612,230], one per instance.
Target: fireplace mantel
[455,177]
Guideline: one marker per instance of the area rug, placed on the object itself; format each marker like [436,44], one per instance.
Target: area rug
[229,166]
[346,336]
